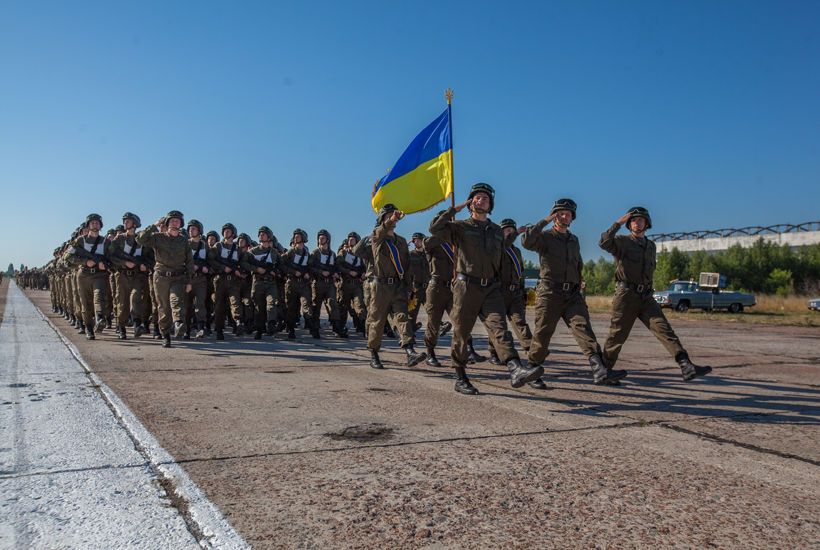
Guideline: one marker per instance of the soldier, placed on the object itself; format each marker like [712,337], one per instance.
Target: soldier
[89,257]
[298,290]
[323,267]
[172,272]
[195,300]
[349,291]
[244,243]
[635,266]
[212,239]
[131,276]
[264,260]
[559,290]
[441,259]
[512,289]
[224,258]
[419,270]
[389,288]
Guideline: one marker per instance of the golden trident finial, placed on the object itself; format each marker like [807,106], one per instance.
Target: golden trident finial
[448,94]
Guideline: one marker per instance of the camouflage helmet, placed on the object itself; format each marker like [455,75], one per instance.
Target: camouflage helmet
[91,217]
[639,212]
[324,232]
[266,230]
[120,228]
[565,204]
[175,214]
[213,234]
[355,236]
[112,232]
[230,226]
[508,222]
[246,237]
[302,233]
[133,217]
[417,236]
[198,225]
[385,211]
[485,188]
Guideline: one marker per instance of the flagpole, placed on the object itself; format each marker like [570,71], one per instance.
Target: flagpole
[448,94]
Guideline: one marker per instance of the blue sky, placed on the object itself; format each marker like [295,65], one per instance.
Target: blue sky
[285,114]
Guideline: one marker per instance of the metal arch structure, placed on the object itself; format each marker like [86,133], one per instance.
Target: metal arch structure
[714,240]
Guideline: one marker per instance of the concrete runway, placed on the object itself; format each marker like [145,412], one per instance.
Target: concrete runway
[300,444]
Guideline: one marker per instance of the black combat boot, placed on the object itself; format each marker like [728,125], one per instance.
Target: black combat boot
[494,360]
[121,334]
[208,330]
[601,374]
[81,327]
[100,323]
[179,330]
[340,329]
[375,362]
[237,329]
[257,335]
[200,330]
[139,330]
[72,321]
[270,328]
[520,375]
[473,356]
[157,335]
[109,322]
[413,357]
[220,335]
[446,327]
[291,333]
[166,343]
[538,384]
[431,357]
[463,383]
[89,334]
[688,369]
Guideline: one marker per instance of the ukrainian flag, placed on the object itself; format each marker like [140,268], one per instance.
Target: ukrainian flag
[422,176]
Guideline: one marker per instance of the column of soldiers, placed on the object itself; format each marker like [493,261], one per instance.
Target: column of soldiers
[189,284]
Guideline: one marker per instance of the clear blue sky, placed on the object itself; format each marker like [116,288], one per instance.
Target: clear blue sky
[285,113]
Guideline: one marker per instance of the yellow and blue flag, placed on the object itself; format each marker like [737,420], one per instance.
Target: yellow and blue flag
[422,176]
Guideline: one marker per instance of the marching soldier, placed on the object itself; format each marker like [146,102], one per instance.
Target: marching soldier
[264,260]
[350,294]
[634,268]
[245,243]
[479,245]
[419,270]
[88,254]
[196,299]
[131,276]
[441,258]
[224,258]
[323,267]
[559,290]
[298,289]
[389,288]
[172,272]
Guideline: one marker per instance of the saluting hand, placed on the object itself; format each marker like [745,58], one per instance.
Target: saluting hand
[461,206]
[551,217]
[396,215]
[622,220]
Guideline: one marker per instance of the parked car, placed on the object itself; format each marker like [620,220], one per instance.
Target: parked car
[814,304]
[685,295]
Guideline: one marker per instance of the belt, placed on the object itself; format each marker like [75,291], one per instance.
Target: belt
[265,277]
[92,270]
[386,280]
[169,273]
[562,287]
[640,289]
[128,272]
[512,288]
[476,280]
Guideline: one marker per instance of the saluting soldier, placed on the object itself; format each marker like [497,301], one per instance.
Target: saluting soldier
[325,273]
[265,262]
[224,258]
[88,253]
[558,295]
[350,293]
[131,276]
[479,245]
[389,288]
[298,290]
[419,278]
[172,271]
[634,269]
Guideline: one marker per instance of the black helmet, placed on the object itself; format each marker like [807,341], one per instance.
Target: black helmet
[230,226]
[267,231]
[133,217]
[355,236]
[247,238]
[417,236]
[302,233]
[93,217]
[198,225]
[213,234]
[175,214]
[112,231]
[508,222]
[385,211]
[120,228]
[565,204]
[324,232]
[639,212]
[483,188]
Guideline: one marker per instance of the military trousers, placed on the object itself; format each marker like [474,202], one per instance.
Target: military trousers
[469,301]
[324,292]
[298,292]
[93,292]
[132,292]
[196,299]
[419,296]
[367,292]
[170,293]
[227,294]
[438,300]
[350,297]
[78,304]
[387,298]
[265,300]
[627,306]
[246,298]
[552,306]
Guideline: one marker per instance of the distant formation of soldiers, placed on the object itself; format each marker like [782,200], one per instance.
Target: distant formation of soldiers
[173,280]
[33,278]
